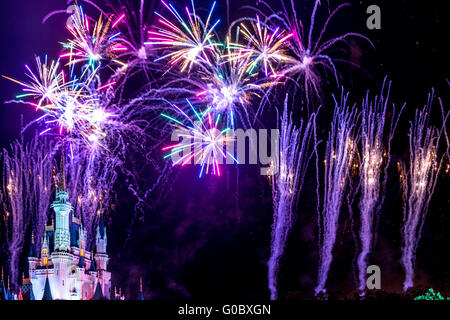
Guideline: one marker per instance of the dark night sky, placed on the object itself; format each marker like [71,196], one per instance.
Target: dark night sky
[199,241]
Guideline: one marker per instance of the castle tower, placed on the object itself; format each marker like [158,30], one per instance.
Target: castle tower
[62,208]
[141,292]
[61,256]
[32,257]
[101,258]
[82,240]
[45,253]
[47,295]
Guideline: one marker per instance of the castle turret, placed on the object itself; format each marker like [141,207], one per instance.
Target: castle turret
[61,256]
[47,295]
[9,296]
[62,209]
[32,257]
[82,240]
[45,251]
[2,288]
[141,292]
[98,294]
[101,258]
[101,239]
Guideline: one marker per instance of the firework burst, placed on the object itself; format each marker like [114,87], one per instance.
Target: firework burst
[205,142]
[67,105]
[266,48]
[90,45]
[187,42]
[227,88]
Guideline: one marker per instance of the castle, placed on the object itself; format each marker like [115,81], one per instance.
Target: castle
[65,270]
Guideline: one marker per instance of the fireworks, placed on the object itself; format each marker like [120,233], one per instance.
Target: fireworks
[188,43]
[133,35]
[375,155]
[228,88]
[89,184]
[308,55]
[419,182]
[106,93]
[266,48]
[295,153]
[339,157]
[67,106]
[91,45]
[203,136]
[24,198]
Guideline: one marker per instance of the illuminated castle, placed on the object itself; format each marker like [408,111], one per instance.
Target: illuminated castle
[65,269]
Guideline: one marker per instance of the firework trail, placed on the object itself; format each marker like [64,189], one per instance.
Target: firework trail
[294,156]
[375,156]
[308,56]
[27,186]
[42,177]
[339,157]
[134,35]
[15,200]
[206,140]
[419,182]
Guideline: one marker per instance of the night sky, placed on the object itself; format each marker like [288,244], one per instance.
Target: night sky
[196,238]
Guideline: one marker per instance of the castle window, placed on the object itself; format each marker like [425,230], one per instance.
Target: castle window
[82,252]
[63,282]
[45,260]
[45,251]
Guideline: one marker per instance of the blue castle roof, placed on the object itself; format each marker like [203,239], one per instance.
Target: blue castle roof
[47,291]
[98,295]
[92,265]
[32,250]
[2,291]
[80,262]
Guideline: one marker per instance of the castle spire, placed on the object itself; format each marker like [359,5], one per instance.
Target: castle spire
[20,296]
[47,291]
[62,208]
[141,292]
[62,174]
[32,252]
[98,294]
